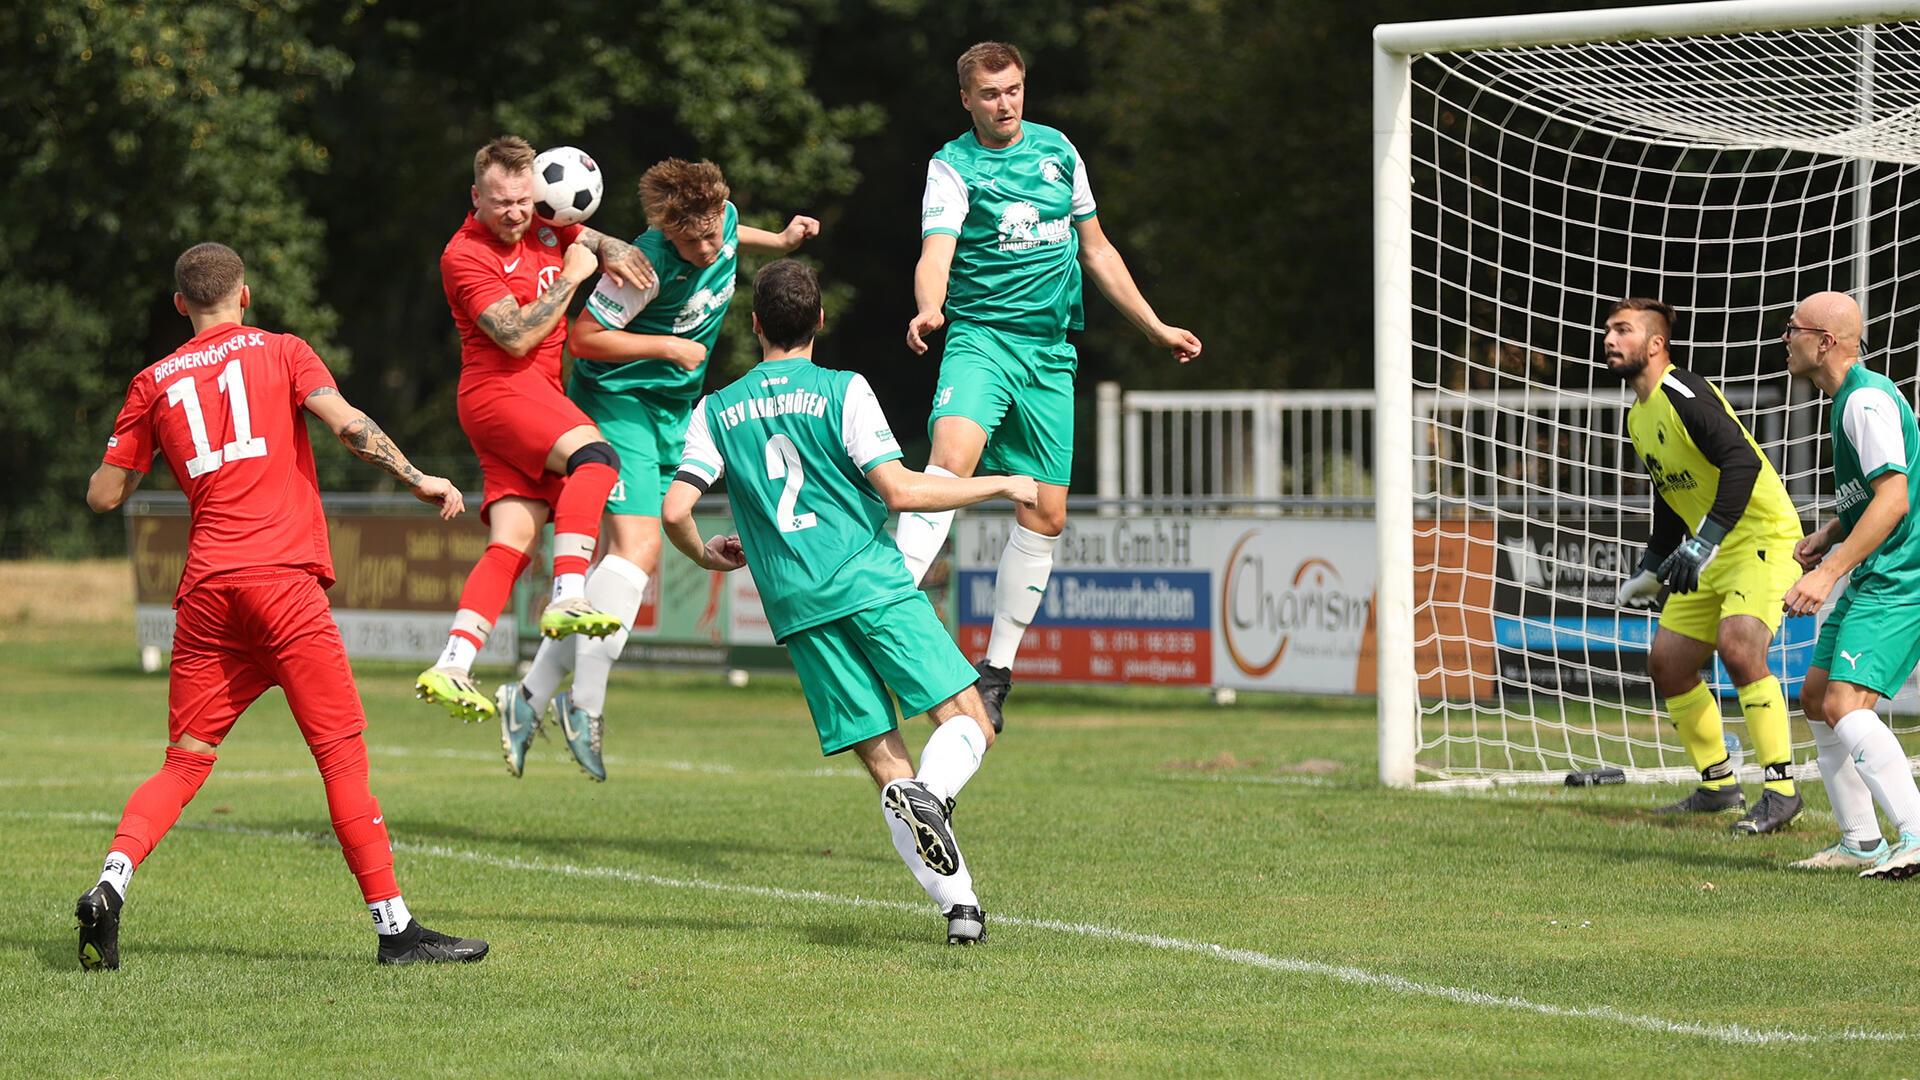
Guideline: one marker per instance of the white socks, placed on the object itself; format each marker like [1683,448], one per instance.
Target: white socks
[1025,566]
[952,756]
[390,916]
[1852,802]
[117,872]
[946,890]
[1882,765]
[459,653]
[616,587]
[920,536]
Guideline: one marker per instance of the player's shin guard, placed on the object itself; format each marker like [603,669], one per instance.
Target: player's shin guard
[357,820]
[592,472]
[485,596]
[1765,707]
[1846,791]
[946,890]
[1025,565]
[1696,717]
[156,804]
[921,535]
[616,587]
[1882,765]
[952,756]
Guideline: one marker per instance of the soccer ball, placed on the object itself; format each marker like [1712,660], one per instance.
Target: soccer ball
[566,186]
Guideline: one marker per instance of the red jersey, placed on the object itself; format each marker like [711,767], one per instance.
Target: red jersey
[225,411]
[477,271]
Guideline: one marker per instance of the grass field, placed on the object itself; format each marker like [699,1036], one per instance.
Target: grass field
[1172,889]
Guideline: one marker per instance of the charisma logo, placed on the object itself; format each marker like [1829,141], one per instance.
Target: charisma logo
[1266,609]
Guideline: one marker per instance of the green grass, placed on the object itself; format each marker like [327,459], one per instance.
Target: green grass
[697,914]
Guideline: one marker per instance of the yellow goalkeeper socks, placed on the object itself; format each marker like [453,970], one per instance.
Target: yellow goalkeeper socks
[1696,716]
[1765,706]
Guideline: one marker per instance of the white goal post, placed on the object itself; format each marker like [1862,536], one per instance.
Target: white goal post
[1728,157]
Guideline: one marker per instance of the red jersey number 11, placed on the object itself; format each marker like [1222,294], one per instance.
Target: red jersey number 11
[245,443]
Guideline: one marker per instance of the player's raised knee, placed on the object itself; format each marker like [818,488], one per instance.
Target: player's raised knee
[594,453]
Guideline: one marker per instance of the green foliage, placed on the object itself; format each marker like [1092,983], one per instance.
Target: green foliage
[127,133]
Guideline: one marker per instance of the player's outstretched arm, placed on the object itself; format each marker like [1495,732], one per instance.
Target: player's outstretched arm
[368,443]
[930,288]
[1109,271]
[721,553]
[907,491]
[591,340]
[623,262]
[518,329]
[109,487]
[784,242]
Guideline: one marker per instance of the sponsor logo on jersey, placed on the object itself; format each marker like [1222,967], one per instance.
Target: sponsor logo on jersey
[547,276]
[932,212]
[1849,495]
[548,237]
[1665,481]
[113,441]
[701,306]
[510,267]
[1020,228]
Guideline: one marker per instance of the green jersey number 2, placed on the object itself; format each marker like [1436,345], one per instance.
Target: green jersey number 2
[783,463]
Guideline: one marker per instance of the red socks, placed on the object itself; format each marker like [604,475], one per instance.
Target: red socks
[156,804]
[576,517]
[357,819]
[490,586]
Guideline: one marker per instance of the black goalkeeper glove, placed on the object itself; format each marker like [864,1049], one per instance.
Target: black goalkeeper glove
[1682,569]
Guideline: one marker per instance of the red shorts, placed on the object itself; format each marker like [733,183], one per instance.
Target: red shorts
[513,422]
[238,634]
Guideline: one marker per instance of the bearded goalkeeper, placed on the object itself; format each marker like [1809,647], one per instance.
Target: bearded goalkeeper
[1724,531]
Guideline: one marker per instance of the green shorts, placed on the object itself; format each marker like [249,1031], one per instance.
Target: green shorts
[1019,390]
[1869,643]
[846,666]
[648,433]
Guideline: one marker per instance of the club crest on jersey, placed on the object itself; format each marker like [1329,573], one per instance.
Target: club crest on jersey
[548,237]
[1051,171]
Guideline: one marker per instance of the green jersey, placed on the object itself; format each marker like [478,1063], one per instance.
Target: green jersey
[1016,262]
[686,301]
[1874,433]
[795,441]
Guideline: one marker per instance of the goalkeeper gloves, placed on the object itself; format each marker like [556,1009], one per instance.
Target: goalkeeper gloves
[1681,571]
[1640,589]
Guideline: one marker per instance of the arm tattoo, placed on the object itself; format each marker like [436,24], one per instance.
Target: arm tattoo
[323,391]
[369,443]
[509,324]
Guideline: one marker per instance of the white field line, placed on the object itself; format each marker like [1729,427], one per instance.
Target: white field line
[710,768]
[1738,1034]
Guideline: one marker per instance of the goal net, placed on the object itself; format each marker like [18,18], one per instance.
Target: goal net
[1729,173]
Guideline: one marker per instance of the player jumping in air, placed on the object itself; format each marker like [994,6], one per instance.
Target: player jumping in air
[508,280]
[1871,640]
[640,358]
[252,613]
[1724,528]
[1007,223]
[812,468]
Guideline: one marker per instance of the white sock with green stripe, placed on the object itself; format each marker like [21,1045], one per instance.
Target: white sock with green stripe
[1025,565]
[952,756]
[1846,792]
[920,536]
[1882,764]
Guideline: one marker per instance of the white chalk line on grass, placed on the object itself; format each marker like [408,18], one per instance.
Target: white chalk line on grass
[710,768]
[1740,1034]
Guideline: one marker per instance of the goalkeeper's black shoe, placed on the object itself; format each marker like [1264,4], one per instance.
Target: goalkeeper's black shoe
[994,684]
[1773,811]
[1708,801]
[99,915]
[419,945]
[966,925]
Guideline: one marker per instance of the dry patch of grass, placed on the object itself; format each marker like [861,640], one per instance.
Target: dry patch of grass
[46,593]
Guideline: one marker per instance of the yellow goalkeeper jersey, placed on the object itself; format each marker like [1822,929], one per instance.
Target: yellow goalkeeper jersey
[1706,466]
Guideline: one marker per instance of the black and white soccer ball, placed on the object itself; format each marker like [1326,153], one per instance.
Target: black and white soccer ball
[566,186]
